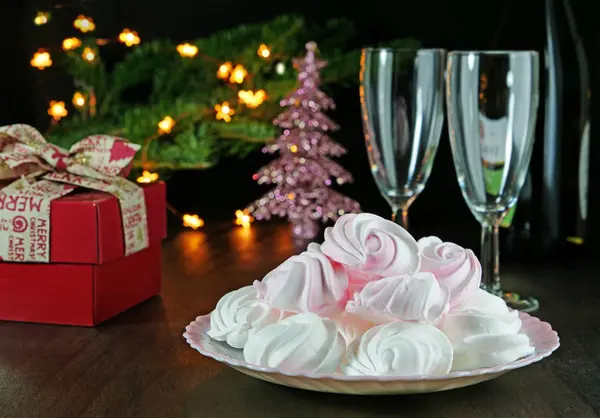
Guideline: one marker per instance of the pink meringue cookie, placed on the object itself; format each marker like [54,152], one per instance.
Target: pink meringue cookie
[307,282]
[456,268]
[370,248]
[413,298]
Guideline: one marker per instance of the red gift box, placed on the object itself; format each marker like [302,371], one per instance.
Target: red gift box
[88,279]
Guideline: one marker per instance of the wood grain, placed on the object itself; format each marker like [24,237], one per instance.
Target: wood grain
[138,365]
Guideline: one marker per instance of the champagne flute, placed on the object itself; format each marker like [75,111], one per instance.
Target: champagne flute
[492,101]
[402,99]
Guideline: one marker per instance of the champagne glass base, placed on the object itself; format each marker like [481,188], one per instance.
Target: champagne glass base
[519,302]
[515,300]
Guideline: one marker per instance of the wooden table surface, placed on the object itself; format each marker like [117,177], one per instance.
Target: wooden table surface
[138,364]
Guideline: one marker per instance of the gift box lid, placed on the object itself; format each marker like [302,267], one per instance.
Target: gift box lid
[86,227]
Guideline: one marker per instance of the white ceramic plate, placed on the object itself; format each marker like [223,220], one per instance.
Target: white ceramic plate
[543,338]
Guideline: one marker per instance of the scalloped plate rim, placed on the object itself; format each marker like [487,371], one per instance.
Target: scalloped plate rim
[199,325]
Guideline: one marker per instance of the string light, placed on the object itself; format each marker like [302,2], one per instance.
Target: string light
[243,218]
[224,112]
[129,37]
[187,50]
[238,74]
[280,68]
[166,125]
[84,24]
[41,18]
[88,54]
[78,99]
[192,221]
[41,59]
[57,110]
[263,51]
[147,177]
[224,70]
[71,43]
[251,99]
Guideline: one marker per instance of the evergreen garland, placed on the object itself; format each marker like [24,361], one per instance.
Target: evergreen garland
[187,89]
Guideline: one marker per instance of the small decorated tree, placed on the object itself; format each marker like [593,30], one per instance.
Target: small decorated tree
[303,173]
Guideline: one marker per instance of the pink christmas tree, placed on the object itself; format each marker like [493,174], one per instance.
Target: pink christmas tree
[303,172]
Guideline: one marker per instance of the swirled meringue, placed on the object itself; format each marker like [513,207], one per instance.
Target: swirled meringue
[351,326]
[307,282]
[313,246]
[454,267]
[399,349]
[239,314]
[485,333]
[416,297]
[303,342]
[370,247]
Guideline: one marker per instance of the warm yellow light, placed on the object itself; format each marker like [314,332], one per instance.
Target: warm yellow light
[166,125]
[224,70]
[78,99]
[57,110]
[41,59]
[251,99]
[224,112]
[41,18]
[263,51]
[187,50]
[243,218]
[84,24]
[71,43]
[238,74]
[192,221]
[129,37]
[147,177]
[294,148]
[88,54]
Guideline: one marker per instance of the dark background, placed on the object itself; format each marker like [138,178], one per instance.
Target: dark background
[218,192]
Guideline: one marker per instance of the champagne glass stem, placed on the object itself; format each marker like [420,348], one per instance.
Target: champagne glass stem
[403,212]
[405,218]
[490,256]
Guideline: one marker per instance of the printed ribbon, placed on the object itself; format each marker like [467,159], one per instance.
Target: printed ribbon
[46,172]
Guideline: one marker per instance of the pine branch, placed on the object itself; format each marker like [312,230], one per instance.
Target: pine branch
[187,90]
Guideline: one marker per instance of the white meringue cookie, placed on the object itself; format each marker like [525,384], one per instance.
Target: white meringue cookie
[485,334]
[487,303]
[239,314]
[371,247]
[303,342]
[454,267]
[313,246]
[399,349]
[350,326]
[307,282]
[416,297]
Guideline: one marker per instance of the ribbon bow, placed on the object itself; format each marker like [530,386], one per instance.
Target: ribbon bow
[44,172]
[23,148]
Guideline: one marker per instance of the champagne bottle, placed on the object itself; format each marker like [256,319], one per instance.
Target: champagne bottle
[552,209]
[564,193]
[551,213]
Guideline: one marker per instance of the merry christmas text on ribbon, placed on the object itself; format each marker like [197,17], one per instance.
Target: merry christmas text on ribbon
[45,172]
